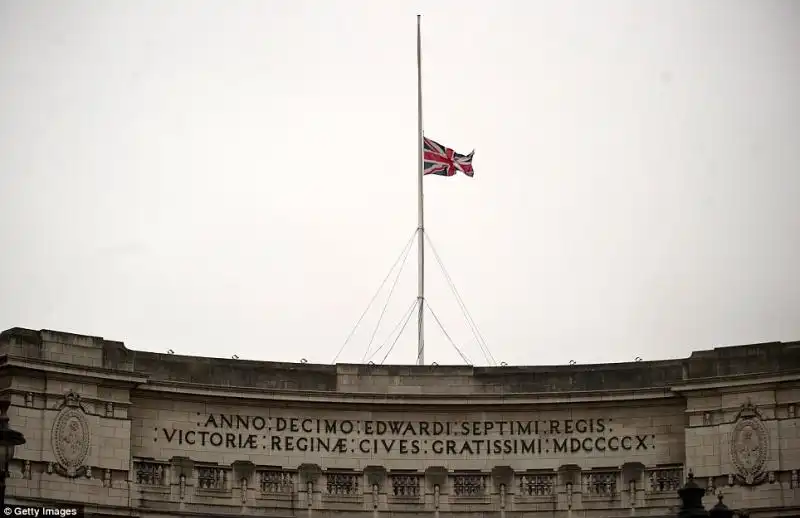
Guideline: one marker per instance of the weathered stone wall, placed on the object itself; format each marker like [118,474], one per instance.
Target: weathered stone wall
[165,434]
[45,409]
[754,426]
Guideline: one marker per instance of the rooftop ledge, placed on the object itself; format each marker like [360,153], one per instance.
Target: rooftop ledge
[108,358]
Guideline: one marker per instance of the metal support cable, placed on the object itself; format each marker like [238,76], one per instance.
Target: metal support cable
[388,298]
[396,338]
[446,335]
[465,312]
[353,331]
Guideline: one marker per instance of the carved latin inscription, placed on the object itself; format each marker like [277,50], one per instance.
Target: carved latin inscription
[300,435]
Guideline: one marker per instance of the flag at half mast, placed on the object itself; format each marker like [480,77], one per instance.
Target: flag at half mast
[443,161]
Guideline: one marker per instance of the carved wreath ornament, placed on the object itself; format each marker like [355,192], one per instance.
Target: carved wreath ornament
[749,446]
[71,437]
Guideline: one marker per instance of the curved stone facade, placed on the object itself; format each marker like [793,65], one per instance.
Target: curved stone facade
[154,435]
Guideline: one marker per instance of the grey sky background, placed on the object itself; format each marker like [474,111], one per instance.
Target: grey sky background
[221,177]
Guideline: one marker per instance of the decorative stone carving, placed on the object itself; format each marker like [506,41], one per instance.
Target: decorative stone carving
[791,411]
[26,470]
[107,478]
[470,485]
[707,418]
[243,470]
[569,495]
[405,485]
[376,479]
[150,473]
[795,478]
[29,399]
[212,478]
[749,444]
[664,479]
[309,473]
[71,437]
[182,486]
[176,467]
[436,475]
[600,483]
[276,481]
[533,485]
[502,475]
[342,484]
[109,409]
[632,493]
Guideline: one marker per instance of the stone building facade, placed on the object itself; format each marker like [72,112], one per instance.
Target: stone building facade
[133,433]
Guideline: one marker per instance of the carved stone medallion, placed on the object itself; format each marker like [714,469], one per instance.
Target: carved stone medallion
[71,438]
[749,444]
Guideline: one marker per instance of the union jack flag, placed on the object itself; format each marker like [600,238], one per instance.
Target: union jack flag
[443,161]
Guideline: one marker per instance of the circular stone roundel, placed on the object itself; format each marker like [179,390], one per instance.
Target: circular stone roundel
[71,439]
[749,449]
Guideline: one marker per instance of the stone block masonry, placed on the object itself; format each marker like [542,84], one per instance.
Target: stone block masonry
[130,432]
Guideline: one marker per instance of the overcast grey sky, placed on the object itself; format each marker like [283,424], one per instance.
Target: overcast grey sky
[221,177]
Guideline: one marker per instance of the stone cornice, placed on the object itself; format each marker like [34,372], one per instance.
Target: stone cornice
[184,390]
[69,371]
[748,382]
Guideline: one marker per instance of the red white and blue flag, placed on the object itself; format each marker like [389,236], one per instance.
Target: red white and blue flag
[443,161]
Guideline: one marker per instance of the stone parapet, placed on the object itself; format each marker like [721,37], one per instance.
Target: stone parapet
[95,352]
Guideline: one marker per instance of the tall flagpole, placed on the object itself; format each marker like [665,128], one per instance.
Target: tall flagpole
[420,213]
